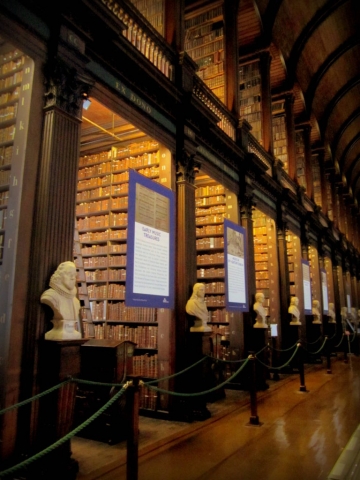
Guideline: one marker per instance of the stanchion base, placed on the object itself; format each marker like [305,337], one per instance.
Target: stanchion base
[303,388]
[254,422]
[328,371]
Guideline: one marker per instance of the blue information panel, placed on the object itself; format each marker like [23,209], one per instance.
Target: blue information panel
[324,288]
[236,282]
[150,245]
[307,287]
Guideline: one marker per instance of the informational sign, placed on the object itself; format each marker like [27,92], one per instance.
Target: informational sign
[325,293]
[348,303]
[307,287]
[151,232]
[236,283]
[274,329]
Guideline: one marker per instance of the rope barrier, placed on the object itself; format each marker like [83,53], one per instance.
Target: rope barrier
[99,384]
[313,343]
[67,437]
[35,397]
[341,340]
[285,350]
[354,336]
[178,373]
[205,392]
[227,361]
[318,351]
[285,364]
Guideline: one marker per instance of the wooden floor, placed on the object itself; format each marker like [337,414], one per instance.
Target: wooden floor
[301,437]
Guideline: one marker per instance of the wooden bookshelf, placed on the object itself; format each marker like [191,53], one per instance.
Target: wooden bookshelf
[204,42]
[12,63]
[250,97]
[266,263]
[300,158]
[101,216]
[213,203]
[293,250]
[279,133]
[153,11]
[316,176]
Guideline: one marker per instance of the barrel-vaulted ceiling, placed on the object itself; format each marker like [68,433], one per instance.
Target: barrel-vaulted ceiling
[315,48]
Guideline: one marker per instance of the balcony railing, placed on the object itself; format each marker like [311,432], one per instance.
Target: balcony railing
[255,148]
[227,122]
[142,35]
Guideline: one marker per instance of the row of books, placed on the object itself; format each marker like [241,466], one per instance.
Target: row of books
[210,230]
[94,182]
[145,365]
[203,18]
[11,65]
[212,242]
[4,198]
[218,316]
[118,312]
[211,70]
[8,113]
[214,287]
[2,218]
[4,177]
[210,211]
[210,272]
[102,205]
[104,249]
[210,219]
[148,398]
[104,236]
[102,221]
[212,200]
[116,165]
[209,190]
[261,274]
[6,155]
[7,134]
[210,258]
[111,291]
[195,39]
[11,80]
[215,300]
[252,101]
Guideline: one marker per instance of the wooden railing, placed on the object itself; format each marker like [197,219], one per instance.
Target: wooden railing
[255,148]
[227,121]
[143,36]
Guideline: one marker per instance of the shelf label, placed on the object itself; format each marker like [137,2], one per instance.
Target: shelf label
[151,244]
[236,282]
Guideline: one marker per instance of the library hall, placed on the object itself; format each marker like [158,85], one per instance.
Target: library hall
[179,239]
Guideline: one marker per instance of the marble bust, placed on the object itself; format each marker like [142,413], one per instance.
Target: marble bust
[196,307]
[331,314]
[294,311]
[260,311]
[316,312]
[61,297]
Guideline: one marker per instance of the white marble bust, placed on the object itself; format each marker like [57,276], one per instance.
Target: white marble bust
[260,311]
[331,314]
[61,297]
[196,307]
[294,311]
[316,312]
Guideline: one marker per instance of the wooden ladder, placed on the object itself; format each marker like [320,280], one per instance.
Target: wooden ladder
[86,324]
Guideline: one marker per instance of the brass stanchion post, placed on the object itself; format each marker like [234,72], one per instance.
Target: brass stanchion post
[328,357]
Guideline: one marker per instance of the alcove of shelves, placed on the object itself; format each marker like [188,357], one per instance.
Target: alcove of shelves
[250,97]
[101,221]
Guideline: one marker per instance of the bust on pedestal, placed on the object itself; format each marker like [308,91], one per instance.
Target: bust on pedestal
[316,312]
[331,314]
[196,307]
[260,311]
[294,311]
[61,297]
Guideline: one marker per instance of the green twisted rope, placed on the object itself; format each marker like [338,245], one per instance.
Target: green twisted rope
[286,349]
[205,392]
[178,373]
[282,366]
[100,384]
[64,439]
[35,397]
[227,361]
[341,340]
[313,343]
[318,351]
[354,336]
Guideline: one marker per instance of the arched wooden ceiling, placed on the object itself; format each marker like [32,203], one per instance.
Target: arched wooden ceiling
[319,42]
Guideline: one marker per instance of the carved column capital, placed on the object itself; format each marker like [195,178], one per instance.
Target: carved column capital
[247,204]
[187,167]
[65,87]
